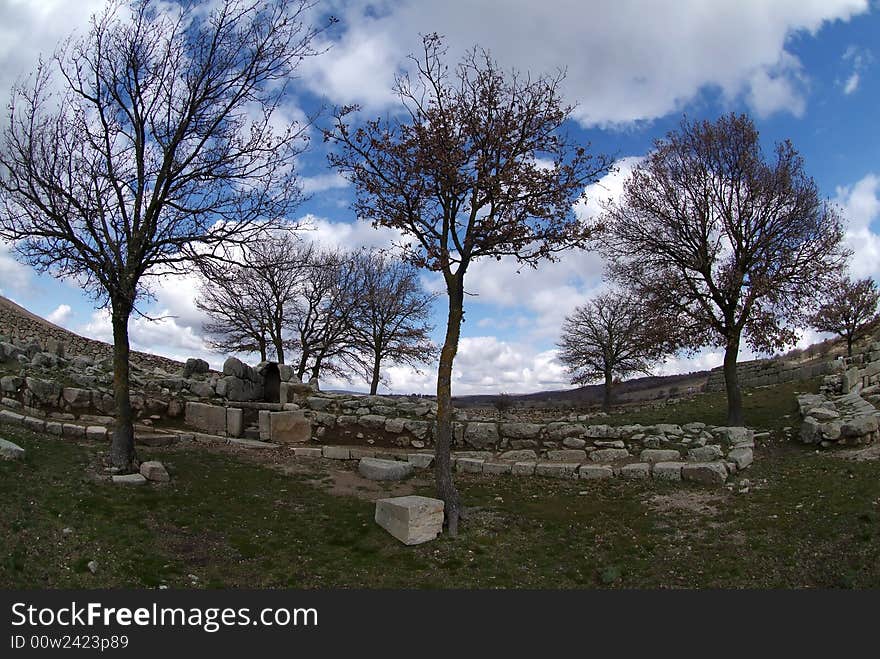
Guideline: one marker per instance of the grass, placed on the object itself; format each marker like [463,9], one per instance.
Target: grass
[809,520]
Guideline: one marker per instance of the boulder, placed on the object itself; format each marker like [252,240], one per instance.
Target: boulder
[654,456]
[705,453]
[376,469]
[708,473]
[742,457]
[45,391]
[195,366]
[411,519]
[481,435]
[155,471]
[10,450]
[207,418]
[289,427]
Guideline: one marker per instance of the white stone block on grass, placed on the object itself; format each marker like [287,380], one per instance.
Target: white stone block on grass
[411,519]
[523,468]
[308,452]
[377,469]
[96,433]
[742,457]
[337,452]
[153,470]
[130,479]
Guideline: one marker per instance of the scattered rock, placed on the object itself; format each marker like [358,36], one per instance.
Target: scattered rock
[155,471]
[10,451]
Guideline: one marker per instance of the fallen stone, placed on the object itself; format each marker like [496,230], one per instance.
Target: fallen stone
[742,457]
[376,469]
[153,470]
[10,450]
[708,473]
[420,460]
[129,479]
[411,519]
[337,452]
[705,453]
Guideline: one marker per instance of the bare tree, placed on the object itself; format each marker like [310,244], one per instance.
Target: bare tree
[330,302]
[253,293]
[479,167]
[393,323]
[612,335]
[849,310]
[732,244]
[156,143]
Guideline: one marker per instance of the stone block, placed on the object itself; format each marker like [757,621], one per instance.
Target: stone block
[705,453]
[708,473]
[654,456]
[420,460]
[469,465]
[411,519]
[567,455]
[636,471]
[557,469]
[595,472]
[356,453]
[481,435]
[609,454]
[336,452]
[308,452]
[234,422]
[10,450]
[130,479]
[376,469]
[35,424]
[77,398]
[54,428]
[497,468]
[289,427]
[742,457]
[206,418]
[96,433]
[522,455]
[667,471]
[153,470]
[264,425]
[73,431]
[523,468]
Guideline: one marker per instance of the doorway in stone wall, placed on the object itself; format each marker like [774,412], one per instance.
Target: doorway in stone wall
[272,383]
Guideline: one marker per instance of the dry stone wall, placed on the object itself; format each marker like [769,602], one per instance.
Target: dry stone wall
[763,372]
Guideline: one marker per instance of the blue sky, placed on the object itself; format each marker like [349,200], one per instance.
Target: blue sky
[804,70]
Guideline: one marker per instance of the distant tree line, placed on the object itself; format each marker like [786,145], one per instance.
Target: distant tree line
[340,312]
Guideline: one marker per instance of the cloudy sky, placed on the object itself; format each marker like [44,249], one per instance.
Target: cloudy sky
[804,69]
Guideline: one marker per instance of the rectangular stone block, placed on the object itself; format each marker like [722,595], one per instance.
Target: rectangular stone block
[358,453]
[412,519]
[667,471]
[567,455]
[420,460]
[708,473]
[497,468]
[595,472]
[337,452]
[636,471]
[289,427]
[96,433]
[35,424]
[523,468]
[73,431]
[308,452]
[264,424]
[234,422]
[469,465]
[557,469]
[207,418]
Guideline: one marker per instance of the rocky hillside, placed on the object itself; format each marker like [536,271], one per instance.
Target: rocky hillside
[26,328]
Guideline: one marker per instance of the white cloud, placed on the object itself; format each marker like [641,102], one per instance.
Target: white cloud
[857,60]
[627,60]
[15,278]
[860,204]
[60,315]
[851,84]
[323,183]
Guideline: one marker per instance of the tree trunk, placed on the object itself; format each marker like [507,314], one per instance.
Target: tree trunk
[122,453]
[443,444]
[262,346]
[301,367]
[849,345]
[374,384]
[316,369]
[609,383]
[731,383]
[279,343]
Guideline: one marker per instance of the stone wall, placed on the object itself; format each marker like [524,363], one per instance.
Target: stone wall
[762,372]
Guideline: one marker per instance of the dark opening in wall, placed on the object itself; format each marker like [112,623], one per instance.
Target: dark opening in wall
[271,383]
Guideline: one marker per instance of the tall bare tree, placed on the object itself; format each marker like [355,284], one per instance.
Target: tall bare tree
[157,142]
[252,295]
[330,303]
[849,310]
[732,243]
[611,336]
[478,167]
[393,323]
